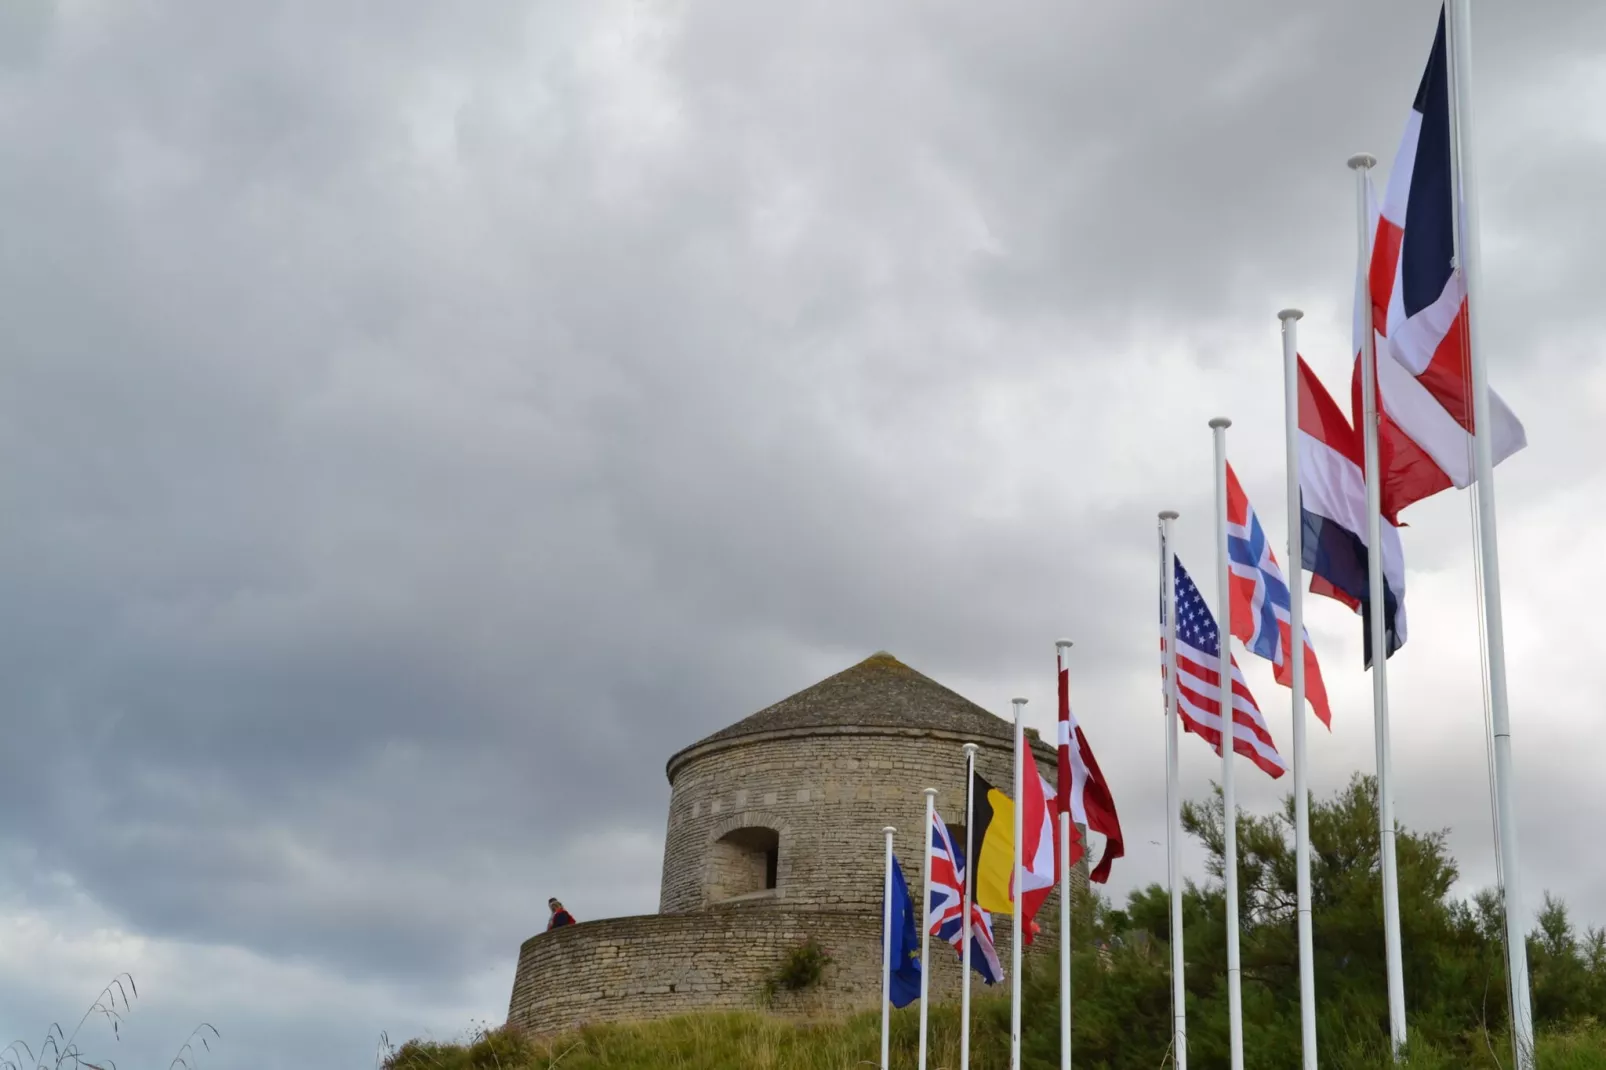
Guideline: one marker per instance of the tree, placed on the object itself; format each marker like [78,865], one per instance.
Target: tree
[1453,949]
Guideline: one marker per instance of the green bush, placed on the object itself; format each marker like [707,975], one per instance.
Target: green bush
[802,968]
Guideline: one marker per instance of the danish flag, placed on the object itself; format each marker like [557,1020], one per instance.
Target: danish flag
[1083,791]
[1260,600]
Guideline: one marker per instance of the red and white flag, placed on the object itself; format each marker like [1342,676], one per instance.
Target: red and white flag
[1083,792]
[1039,842]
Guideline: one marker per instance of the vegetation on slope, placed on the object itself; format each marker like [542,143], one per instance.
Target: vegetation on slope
[756,1042]
[1455,978]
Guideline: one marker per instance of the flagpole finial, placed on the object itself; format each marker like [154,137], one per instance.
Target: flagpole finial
[1362,161]
[931,793]
[1063,643]
[1169,514]
[1220,421]
[971,748]
[1017,701]
[1290,314]
[889,830]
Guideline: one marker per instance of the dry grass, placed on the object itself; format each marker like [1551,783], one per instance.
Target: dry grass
[61,1050]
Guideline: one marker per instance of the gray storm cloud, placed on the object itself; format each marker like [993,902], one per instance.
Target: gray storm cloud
[416,426]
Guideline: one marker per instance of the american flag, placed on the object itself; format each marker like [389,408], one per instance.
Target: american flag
[1199,682]
[945,906]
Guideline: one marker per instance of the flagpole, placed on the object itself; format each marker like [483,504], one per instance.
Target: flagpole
[1173,802]
[1063,648]
[1296,631]
[1362,164]
[925,928]
[886,956]
[1229,798]
[1469,255]
[1015,888]
[968,897]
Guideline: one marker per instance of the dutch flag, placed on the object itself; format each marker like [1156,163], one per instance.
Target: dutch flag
[1332,510]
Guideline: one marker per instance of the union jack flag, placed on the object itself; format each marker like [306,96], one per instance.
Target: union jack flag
[1260,602]
[945,906]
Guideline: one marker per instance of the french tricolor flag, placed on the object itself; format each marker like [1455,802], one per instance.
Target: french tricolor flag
[1332,510]
[1419,311]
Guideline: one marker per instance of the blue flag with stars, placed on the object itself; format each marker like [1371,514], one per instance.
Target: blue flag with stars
[905,987]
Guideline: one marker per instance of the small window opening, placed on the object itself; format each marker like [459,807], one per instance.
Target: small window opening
[744,862]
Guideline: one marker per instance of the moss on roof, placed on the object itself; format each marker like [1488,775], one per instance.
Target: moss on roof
[878,692]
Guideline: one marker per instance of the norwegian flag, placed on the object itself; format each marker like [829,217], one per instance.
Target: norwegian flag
[1419,311]
[1199,682]
[1260,601]
[945,906]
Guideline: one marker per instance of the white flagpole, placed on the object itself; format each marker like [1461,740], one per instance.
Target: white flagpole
[925,929]
[1015,889]
[1296,631]
[1063,648]
[886,956]
[1173,800]
[969,897]
[1469,253]
[1229,797]
[1362,164]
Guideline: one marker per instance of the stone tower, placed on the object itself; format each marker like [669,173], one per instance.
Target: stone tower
[774,836]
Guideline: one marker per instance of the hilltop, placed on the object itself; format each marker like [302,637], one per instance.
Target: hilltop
[755,1042]
[1455,982]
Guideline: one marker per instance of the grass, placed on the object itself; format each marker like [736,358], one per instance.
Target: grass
[61,1050]
[759,1042]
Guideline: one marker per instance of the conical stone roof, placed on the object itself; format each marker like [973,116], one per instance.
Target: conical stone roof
[878,692]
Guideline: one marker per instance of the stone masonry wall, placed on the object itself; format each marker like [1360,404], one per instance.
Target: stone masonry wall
[827,795]
[659,966]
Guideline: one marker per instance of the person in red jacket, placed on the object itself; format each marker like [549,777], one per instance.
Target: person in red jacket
[560,917]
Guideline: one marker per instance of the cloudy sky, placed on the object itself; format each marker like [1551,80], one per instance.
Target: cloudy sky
[418,420]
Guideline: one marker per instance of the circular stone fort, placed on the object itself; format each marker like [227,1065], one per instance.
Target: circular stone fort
[774,838]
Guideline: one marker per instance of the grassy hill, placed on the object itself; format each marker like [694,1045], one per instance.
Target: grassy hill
[754,1042]
[1455,980]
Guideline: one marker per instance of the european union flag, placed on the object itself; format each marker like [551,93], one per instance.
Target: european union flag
[905,987]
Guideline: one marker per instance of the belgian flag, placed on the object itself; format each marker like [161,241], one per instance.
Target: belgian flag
[992,841]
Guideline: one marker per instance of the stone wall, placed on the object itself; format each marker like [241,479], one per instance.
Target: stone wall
[826,794]
[659,966]
[822,797]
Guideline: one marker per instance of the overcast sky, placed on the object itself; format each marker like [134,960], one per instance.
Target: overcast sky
[419,420]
